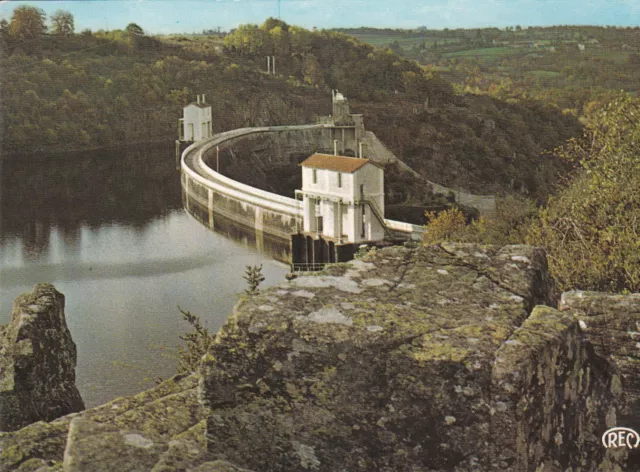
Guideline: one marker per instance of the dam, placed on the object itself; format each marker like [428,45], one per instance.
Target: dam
[306,231]
[271,220]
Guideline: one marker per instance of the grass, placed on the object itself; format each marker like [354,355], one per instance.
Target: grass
[405,41]
[543,73]
[485,52]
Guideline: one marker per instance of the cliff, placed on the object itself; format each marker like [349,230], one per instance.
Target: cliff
[611,323]
[37,361]
[426,359]
[442,358]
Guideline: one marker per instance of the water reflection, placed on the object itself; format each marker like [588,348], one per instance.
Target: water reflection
[129,186]
[274,247]
[124,253]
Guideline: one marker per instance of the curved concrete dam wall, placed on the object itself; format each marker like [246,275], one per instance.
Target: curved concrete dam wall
[208,193]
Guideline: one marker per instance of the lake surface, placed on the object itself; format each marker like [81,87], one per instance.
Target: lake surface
[108,230]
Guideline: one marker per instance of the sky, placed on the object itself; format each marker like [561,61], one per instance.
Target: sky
[163,16]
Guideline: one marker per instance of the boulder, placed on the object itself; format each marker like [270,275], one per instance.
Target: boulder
[37,361]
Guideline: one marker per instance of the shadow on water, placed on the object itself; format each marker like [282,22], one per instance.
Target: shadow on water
[88,271]
[128,186]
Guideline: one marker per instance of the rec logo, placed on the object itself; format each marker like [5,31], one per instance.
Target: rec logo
[621,437]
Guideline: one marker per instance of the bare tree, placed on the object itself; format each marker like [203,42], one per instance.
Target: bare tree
[62,23]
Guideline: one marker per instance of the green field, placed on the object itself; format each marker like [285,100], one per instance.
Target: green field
[405,41]
[543,73]
[485,52]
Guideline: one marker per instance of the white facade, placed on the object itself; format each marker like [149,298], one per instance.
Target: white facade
[343,198]
[196,121]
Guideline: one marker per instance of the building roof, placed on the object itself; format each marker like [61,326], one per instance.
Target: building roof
[199,105]
[336,163]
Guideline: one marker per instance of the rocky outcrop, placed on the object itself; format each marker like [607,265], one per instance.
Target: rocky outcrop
[160,430]
[612,324]
[37,361]
[407,360]
[441,358]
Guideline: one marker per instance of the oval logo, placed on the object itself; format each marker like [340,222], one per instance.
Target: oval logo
[621,437]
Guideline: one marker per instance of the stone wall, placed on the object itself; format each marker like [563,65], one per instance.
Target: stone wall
[37,361]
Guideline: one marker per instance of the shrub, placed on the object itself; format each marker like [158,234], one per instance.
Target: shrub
[197,341]
[591,229]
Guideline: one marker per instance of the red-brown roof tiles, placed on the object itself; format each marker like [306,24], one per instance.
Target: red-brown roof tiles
[336,163]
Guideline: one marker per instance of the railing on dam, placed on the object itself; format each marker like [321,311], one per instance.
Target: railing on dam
[207,192]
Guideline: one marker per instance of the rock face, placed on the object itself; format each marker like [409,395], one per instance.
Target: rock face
[612,324]
[444,358]
[410,360]
[37,361]
[160,430]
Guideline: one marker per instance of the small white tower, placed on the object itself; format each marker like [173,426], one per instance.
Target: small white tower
[195,125]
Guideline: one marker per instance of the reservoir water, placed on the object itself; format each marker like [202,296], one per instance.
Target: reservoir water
[109,231]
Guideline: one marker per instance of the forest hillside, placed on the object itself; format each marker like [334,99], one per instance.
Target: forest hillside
[64,92]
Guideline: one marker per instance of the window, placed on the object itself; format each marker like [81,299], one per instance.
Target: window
[315,176]
[339,179]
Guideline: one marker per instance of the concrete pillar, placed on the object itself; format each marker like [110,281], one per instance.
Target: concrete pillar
[335,230]
[259,218]
[186,192]
[210,206]
[268,64]
[260,240]
[339,221]
[350,230]
[335,147]
[309,216]
[273,61]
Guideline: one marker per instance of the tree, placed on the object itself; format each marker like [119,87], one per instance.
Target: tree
[591,229]
[301,39]
[280,40]
[27,23]
[135,35]
[312,70]
[271,23]
[396,48]
[62,23]
[4,31]
[133,30]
